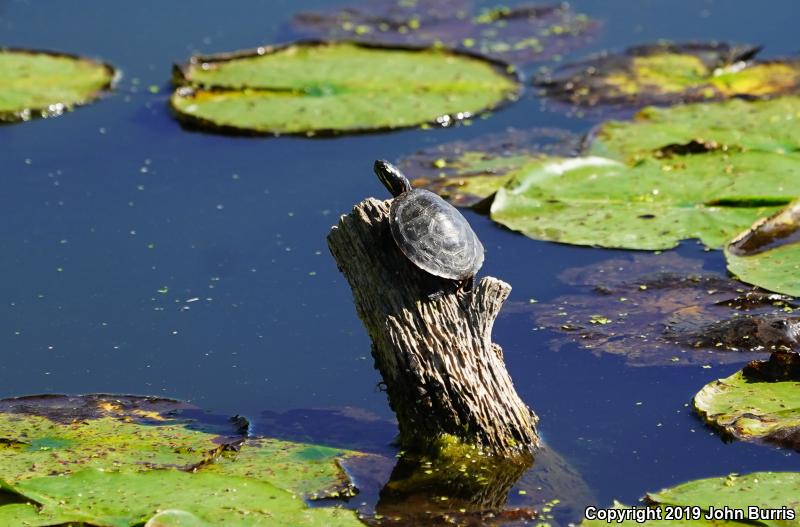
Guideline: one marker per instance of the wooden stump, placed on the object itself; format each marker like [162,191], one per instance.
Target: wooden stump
[432,342]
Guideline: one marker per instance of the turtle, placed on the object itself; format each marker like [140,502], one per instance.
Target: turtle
[431,233]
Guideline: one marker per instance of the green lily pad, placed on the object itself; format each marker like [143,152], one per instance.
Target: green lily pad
[678,132]
[328,88]
[761,498]
[668,73]
[68,459]
[764,490]
[467,172]
[768,254]
[310,470]
[46,435]
[652,205]
[29,515]
[749,407]
[123,499]
[46,84]
[664,310]
[519,34]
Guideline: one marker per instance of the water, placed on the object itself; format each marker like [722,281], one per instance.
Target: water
[103,208]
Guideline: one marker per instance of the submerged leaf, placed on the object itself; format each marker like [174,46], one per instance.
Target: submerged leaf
[318,88]
[467,172]
[667,73]
[665,310]
[768,254]
[46,84]
[757,403]
[519,34]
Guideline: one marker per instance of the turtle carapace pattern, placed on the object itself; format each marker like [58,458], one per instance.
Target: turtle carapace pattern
[430,232]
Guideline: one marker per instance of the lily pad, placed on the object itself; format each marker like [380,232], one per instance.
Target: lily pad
[668,73]
[679,132]
[46,435]
[761,498]
[328,88]
[467,172]
[764,490]
[652,205]
[123,499]
[310,470]
[749,407]
[106,460]
[46,84]
[665,310]
[768,254]
[519,34]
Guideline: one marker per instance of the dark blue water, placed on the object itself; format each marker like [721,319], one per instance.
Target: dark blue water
[103,208]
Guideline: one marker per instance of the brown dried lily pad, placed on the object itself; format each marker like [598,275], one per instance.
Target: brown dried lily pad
[664,309]
[466,173]
[668,73]
[519,35]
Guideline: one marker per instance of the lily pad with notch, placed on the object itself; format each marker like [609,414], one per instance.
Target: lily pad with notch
[46,84]
[319,88]
[466,173]
[520,34]
[665,309]
[669,73]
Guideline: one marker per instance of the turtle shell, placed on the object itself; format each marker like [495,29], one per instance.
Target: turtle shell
[434,235]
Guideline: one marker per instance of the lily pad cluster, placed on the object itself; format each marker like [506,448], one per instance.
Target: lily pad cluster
[519,34]
[120,461]
[666,310]
[766,492]
[668,73]
[46,84]
[704,171]
[327,88]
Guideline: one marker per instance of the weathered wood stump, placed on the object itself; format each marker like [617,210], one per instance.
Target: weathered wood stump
[431,342]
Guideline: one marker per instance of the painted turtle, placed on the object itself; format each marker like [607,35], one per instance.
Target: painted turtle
[429,231]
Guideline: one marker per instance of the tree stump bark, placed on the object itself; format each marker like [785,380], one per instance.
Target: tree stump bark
[432,342]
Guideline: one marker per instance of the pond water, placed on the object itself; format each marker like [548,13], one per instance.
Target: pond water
[113,217]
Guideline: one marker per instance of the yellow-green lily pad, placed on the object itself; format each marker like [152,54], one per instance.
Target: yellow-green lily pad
[46,84]
[518,34]
[44,435]
[329,88]
[108,461]
[668,73]
[749,407]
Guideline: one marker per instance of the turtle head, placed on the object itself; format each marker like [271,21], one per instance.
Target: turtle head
[391,177]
